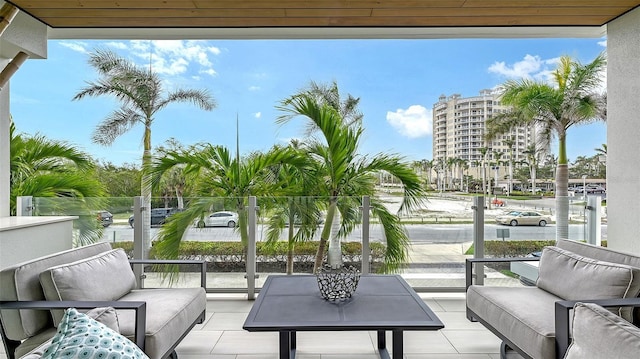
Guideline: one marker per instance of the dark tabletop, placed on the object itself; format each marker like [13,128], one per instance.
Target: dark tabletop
[381,302]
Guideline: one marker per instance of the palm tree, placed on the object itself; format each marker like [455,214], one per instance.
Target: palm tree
[427,166]
[173,182]
[571,100]
[483,153]
[496,156]
[141,96]
[46,168]
[298,211]
[509,142]
[533,153]
[330,94]
[217,174]
[345,175]
[450,164]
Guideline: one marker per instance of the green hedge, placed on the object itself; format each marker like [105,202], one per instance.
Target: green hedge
[228,256]
[515,248]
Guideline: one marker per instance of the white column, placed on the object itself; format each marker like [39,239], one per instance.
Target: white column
[23,34]
[4,147]
[623,132]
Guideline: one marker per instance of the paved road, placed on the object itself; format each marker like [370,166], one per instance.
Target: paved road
[419,233]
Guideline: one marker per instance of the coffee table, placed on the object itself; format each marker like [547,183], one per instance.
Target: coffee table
[291,303]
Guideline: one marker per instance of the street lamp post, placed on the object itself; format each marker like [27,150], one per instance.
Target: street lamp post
[584,187]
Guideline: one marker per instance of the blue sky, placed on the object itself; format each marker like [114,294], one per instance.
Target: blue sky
[398,82]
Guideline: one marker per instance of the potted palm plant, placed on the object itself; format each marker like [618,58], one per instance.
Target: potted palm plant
[342,177]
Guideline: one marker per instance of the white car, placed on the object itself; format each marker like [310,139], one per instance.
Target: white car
[219,219]
[517,218]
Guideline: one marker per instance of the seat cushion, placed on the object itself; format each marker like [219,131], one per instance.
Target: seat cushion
[106,276]
[597,333]
[571,276]
[524,315]
[22,282]
[170,314]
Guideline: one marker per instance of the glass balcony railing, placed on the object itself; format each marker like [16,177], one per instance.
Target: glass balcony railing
[286,231]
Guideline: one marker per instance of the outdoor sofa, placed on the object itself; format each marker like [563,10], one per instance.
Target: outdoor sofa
[94,276]
[534,320]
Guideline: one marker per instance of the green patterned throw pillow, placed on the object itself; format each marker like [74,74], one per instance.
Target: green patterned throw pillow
[79,336]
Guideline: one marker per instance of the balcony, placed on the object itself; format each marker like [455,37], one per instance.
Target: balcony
[435,271]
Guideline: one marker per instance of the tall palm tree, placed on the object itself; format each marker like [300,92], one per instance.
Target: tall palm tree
[41,167]
[451,165]
[330,94]
[533,154]
[509,142]
[483,153]
[345,175]
[572,99]
[141,96]
[427,166]
[497,156]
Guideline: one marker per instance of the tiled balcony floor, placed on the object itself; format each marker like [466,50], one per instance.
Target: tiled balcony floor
[221,336]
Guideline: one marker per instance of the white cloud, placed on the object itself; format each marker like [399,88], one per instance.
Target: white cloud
[210,72]
[531,67]
[254,88]
[117,45]
[413,122]
[176,57]
[77,46]
[257,114]
[603,43]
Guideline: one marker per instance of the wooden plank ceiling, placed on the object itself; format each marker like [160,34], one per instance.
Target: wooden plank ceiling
[322,13]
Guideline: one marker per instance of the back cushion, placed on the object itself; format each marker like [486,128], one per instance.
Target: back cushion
[21,282]
[599,253]
[599,334]
[574,277]
[106,276]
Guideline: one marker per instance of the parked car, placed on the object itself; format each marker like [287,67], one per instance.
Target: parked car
[105,218]
[594,188]
[590,188]
[219,219]
[516,218]
[159,215]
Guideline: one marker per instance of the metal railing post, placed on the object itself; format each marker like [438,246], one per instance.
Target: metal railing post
[366,250]
[478,236]
[138,238]
[594,227]
[251,249]
[24,206]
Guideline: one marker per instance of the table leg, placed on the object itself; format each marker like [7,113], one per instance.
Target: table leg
[398,344]
[382,345]
[287,344]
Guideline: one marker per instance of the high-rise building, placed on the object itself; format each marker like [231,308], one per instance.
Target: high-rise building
[459,129]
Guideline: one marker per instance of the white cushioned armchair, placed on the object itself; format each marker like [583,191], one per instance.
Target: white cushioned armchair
[525,318]
[88,277]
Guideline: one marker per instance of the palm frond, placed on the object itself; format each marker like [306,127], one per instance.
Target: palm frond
[116,124]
